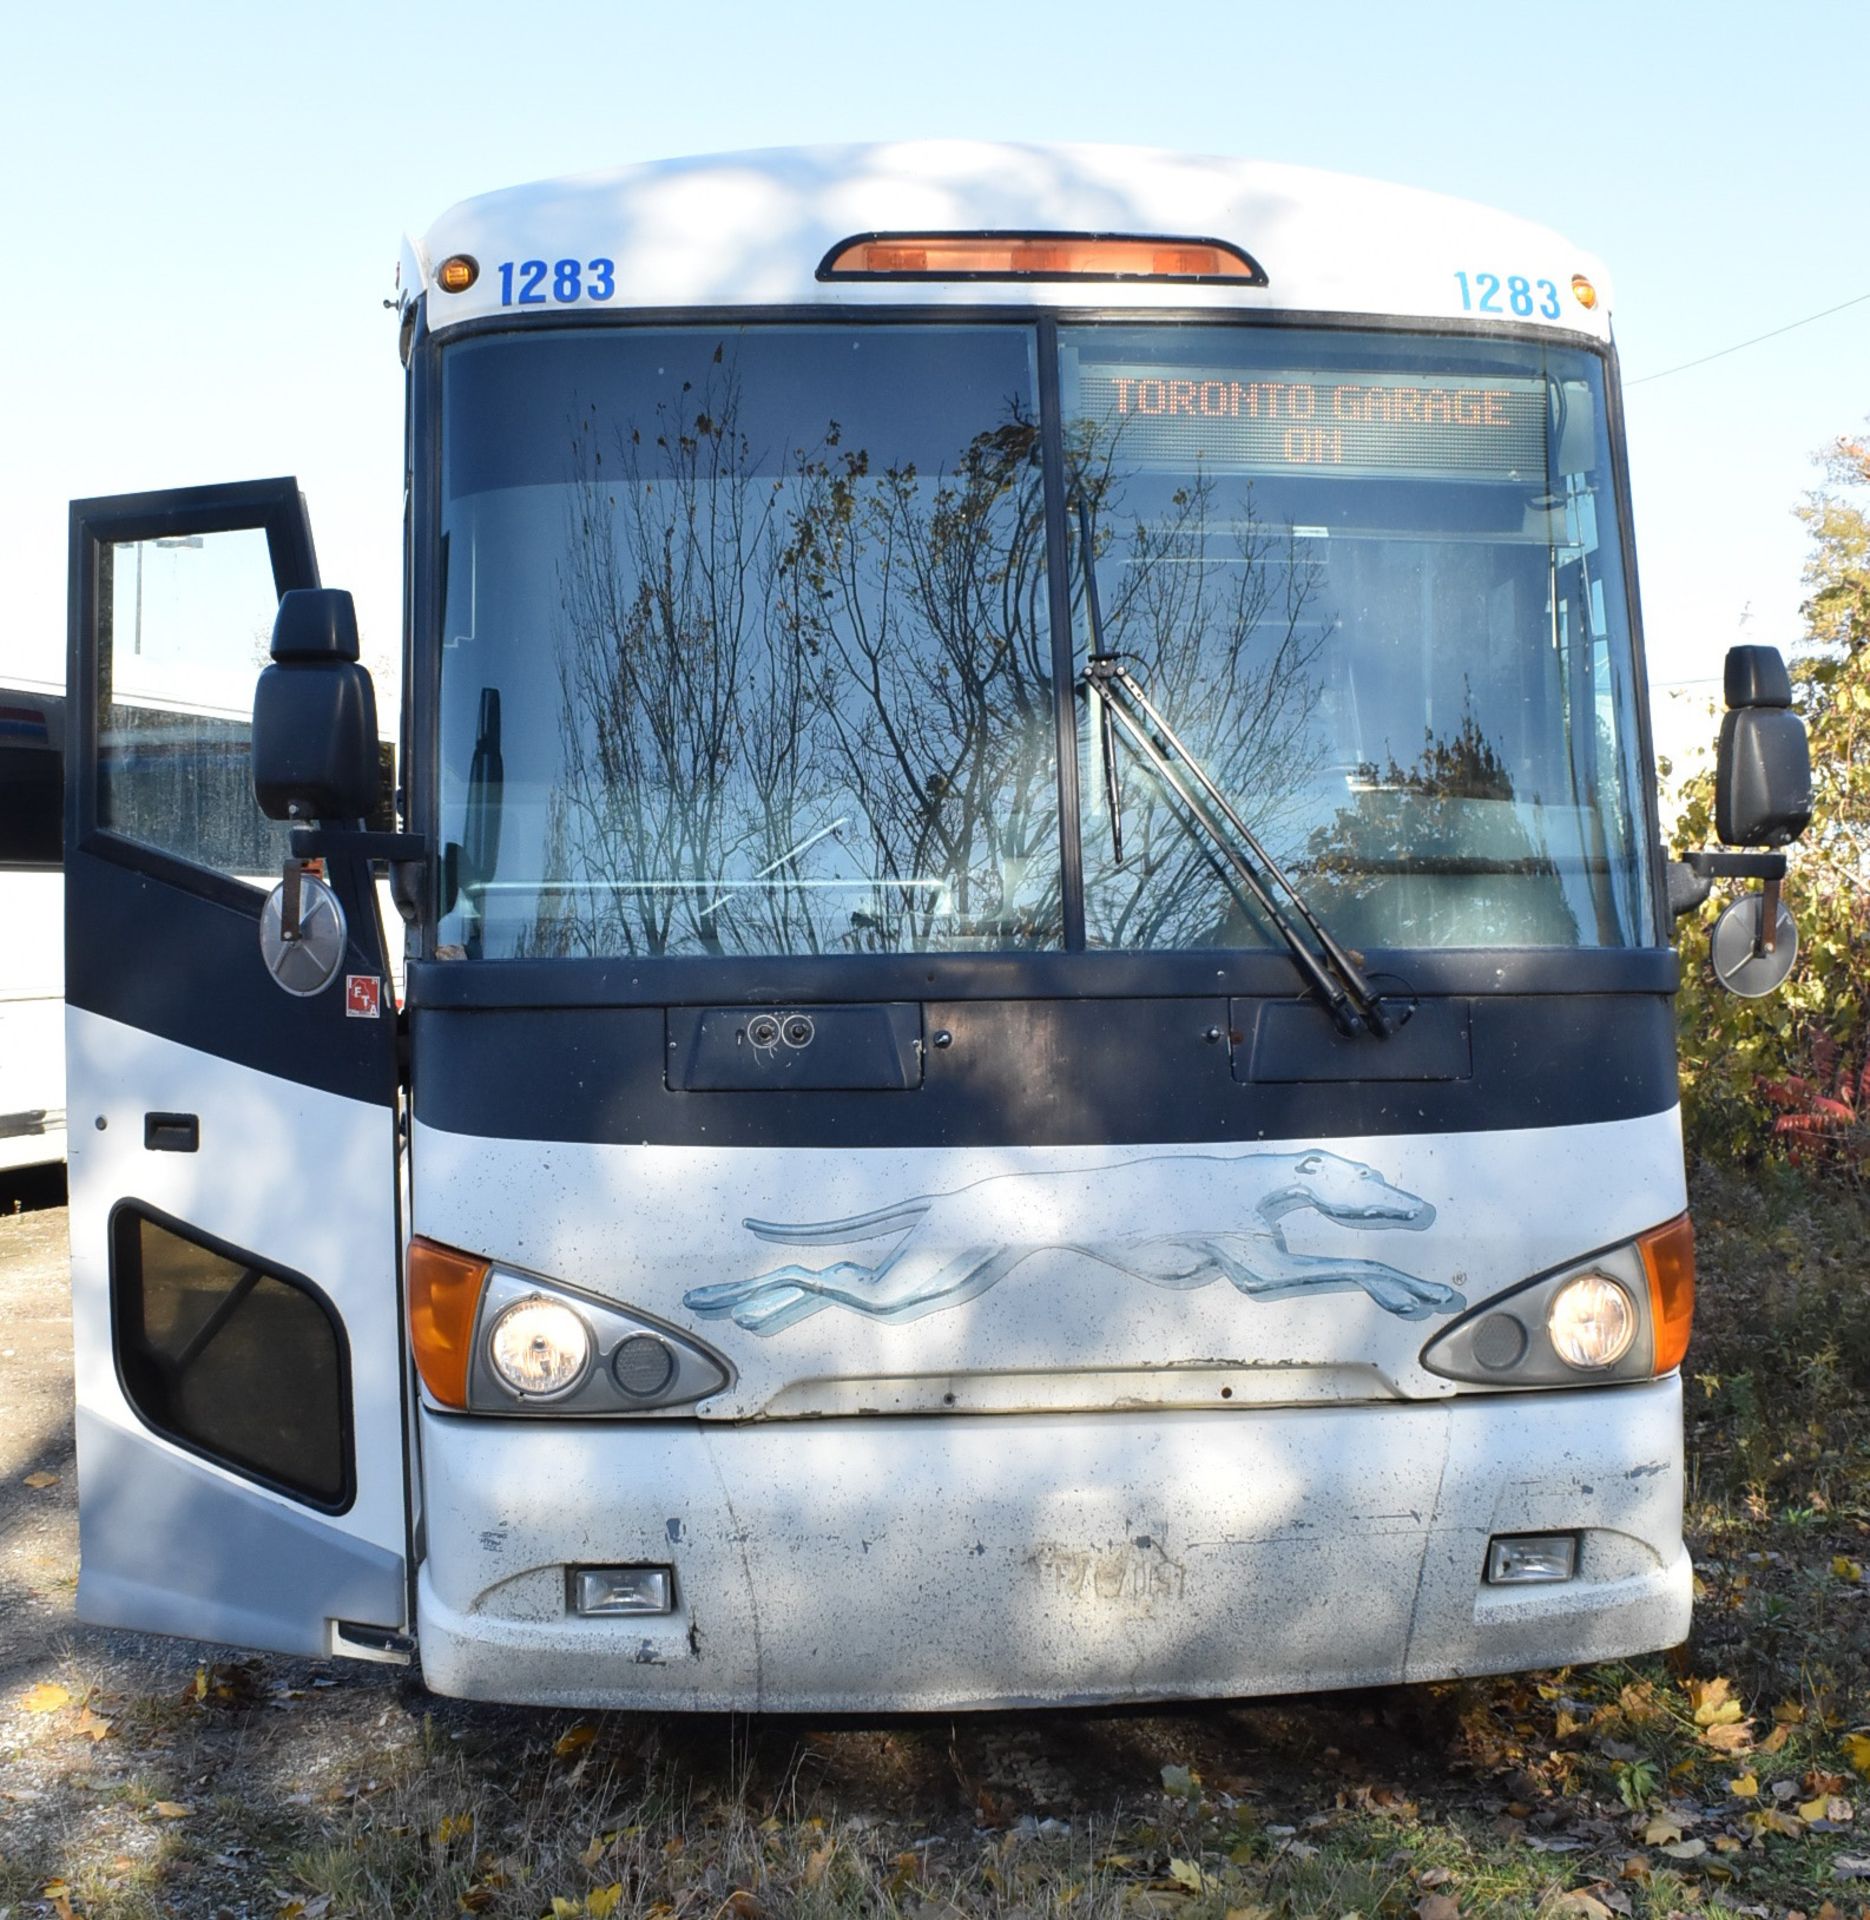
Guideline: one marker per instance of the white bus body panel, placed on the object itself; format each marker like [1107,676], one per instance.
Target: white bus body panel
[659,1228]
[1251,1494]
[32,1023]
[171,1542]
[916,1564]
[750,229]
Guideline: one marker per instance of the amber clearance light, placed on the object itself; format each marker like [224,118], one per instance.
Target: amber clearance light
[444,1294]
[1037,256]
[458,272]
[1669,1260]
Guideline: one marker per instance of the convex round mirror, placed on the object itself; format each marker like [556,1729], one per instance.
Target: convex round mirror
[1734,947]
[308,964]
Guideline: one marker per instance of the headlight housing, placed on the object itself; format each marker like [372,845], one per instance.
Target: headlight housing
[1622,1313]
[489,1339]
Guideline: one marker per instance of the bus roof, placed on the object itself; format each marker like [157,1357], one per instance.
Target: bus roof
[750,229]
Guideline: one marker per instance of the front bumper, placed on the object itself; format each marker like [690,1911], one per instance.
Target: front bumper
[875,1565]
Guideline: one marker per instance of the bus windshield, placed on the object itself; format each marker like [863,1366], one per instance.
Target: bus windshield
[748,641]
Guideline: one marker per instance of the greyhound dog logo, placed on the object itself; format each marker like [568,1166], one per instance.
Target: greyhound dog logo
[955,1245]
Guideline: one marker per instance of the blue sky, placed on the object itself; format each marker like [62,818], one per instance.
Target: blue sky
[204,203]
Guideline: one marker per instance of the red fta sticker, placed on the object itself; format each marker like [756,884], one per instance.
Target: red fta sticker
[363,996]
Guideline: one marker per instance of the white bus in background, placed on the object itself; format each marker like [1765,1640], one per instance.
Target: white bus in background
[32,925]
[1039,1060]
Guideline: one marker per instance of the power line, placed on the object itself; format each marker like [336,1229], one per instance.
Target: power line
[1790,327]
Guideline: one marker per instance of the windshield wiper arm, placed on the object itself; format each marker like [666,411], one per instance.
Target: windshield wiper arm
[1337,979]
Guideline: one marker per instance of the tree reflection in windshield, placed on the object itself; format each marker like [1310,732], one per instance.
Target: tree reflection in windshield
[806,709]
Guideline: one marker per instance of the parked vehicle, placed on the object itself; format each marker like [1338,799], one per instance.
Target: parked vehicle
[1038,1061]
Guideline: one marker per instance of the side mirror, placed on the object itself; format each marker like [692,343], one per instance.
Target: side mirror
[314,759]
[315,715]
[1762,799]
[1763,775]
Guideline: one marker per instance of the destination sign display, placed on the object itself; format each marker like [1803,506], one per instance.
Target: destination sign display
[1348,423]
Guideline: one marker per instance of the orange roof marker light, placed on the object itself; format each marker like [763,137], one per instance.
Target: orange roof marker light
[1583,292]
[1039,256]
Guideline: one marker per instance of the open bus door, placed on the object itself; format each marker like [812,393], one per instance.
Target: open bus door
[233,1165]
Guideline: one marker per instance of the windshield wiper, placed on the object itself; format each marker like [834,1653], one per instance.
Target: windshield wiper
[1336,978]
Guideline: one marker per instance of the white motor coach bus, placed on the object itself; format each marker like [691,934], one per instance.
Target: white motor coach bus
[1038,1058]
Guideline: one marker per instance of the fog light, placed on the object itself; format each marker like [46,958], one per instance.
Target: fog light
[1531,1559]
[600,1590]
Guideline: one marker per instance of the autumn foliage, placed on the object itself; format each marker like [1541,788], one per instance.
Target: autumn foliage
[1789,1076]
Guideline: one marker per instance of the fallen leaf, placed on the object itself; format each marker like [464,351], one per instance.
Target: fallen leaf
[748,1906]
[568,1743]
[1846,1568]
[816,1863]
[1438,1906]
[1857,1751]
[1186,1874]
[47,1697]
[595,1851]
[1182,1781]
[1661,1830]
[1850,1866]
[1686,1849]
[1586,1905]
[1435,1877]
[453,1826]
[601,1902]
[1713,1701]
[1729,1736]
[92,1726]
[171,1809]
[1747,1787]
[566,1909]
[1815,1809]
[1776,1739]
[40,1480]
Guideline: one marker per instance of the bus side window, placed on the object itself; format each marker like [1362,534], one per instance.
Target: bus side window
[32,806]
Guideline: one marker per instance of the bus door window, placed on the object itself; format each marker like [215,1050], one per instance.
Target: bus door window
[189,624]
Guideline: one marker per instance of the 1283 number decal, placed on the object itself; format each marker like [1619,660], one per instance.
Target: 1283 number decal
[1512,293]
[538,283]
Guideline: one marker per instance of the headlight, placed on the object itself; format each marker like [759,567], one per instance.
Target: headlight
[1592,1321]
[538,1347]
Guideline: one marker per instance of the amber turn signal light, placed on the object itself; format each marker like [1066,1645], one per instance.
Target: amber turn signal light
[458,272]
[1583,292]
[444,1295]
[1669,1260]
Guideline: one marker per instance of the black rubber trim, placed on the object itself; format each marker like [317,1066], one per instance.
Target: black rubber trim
[1037,1072]
[706,981]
